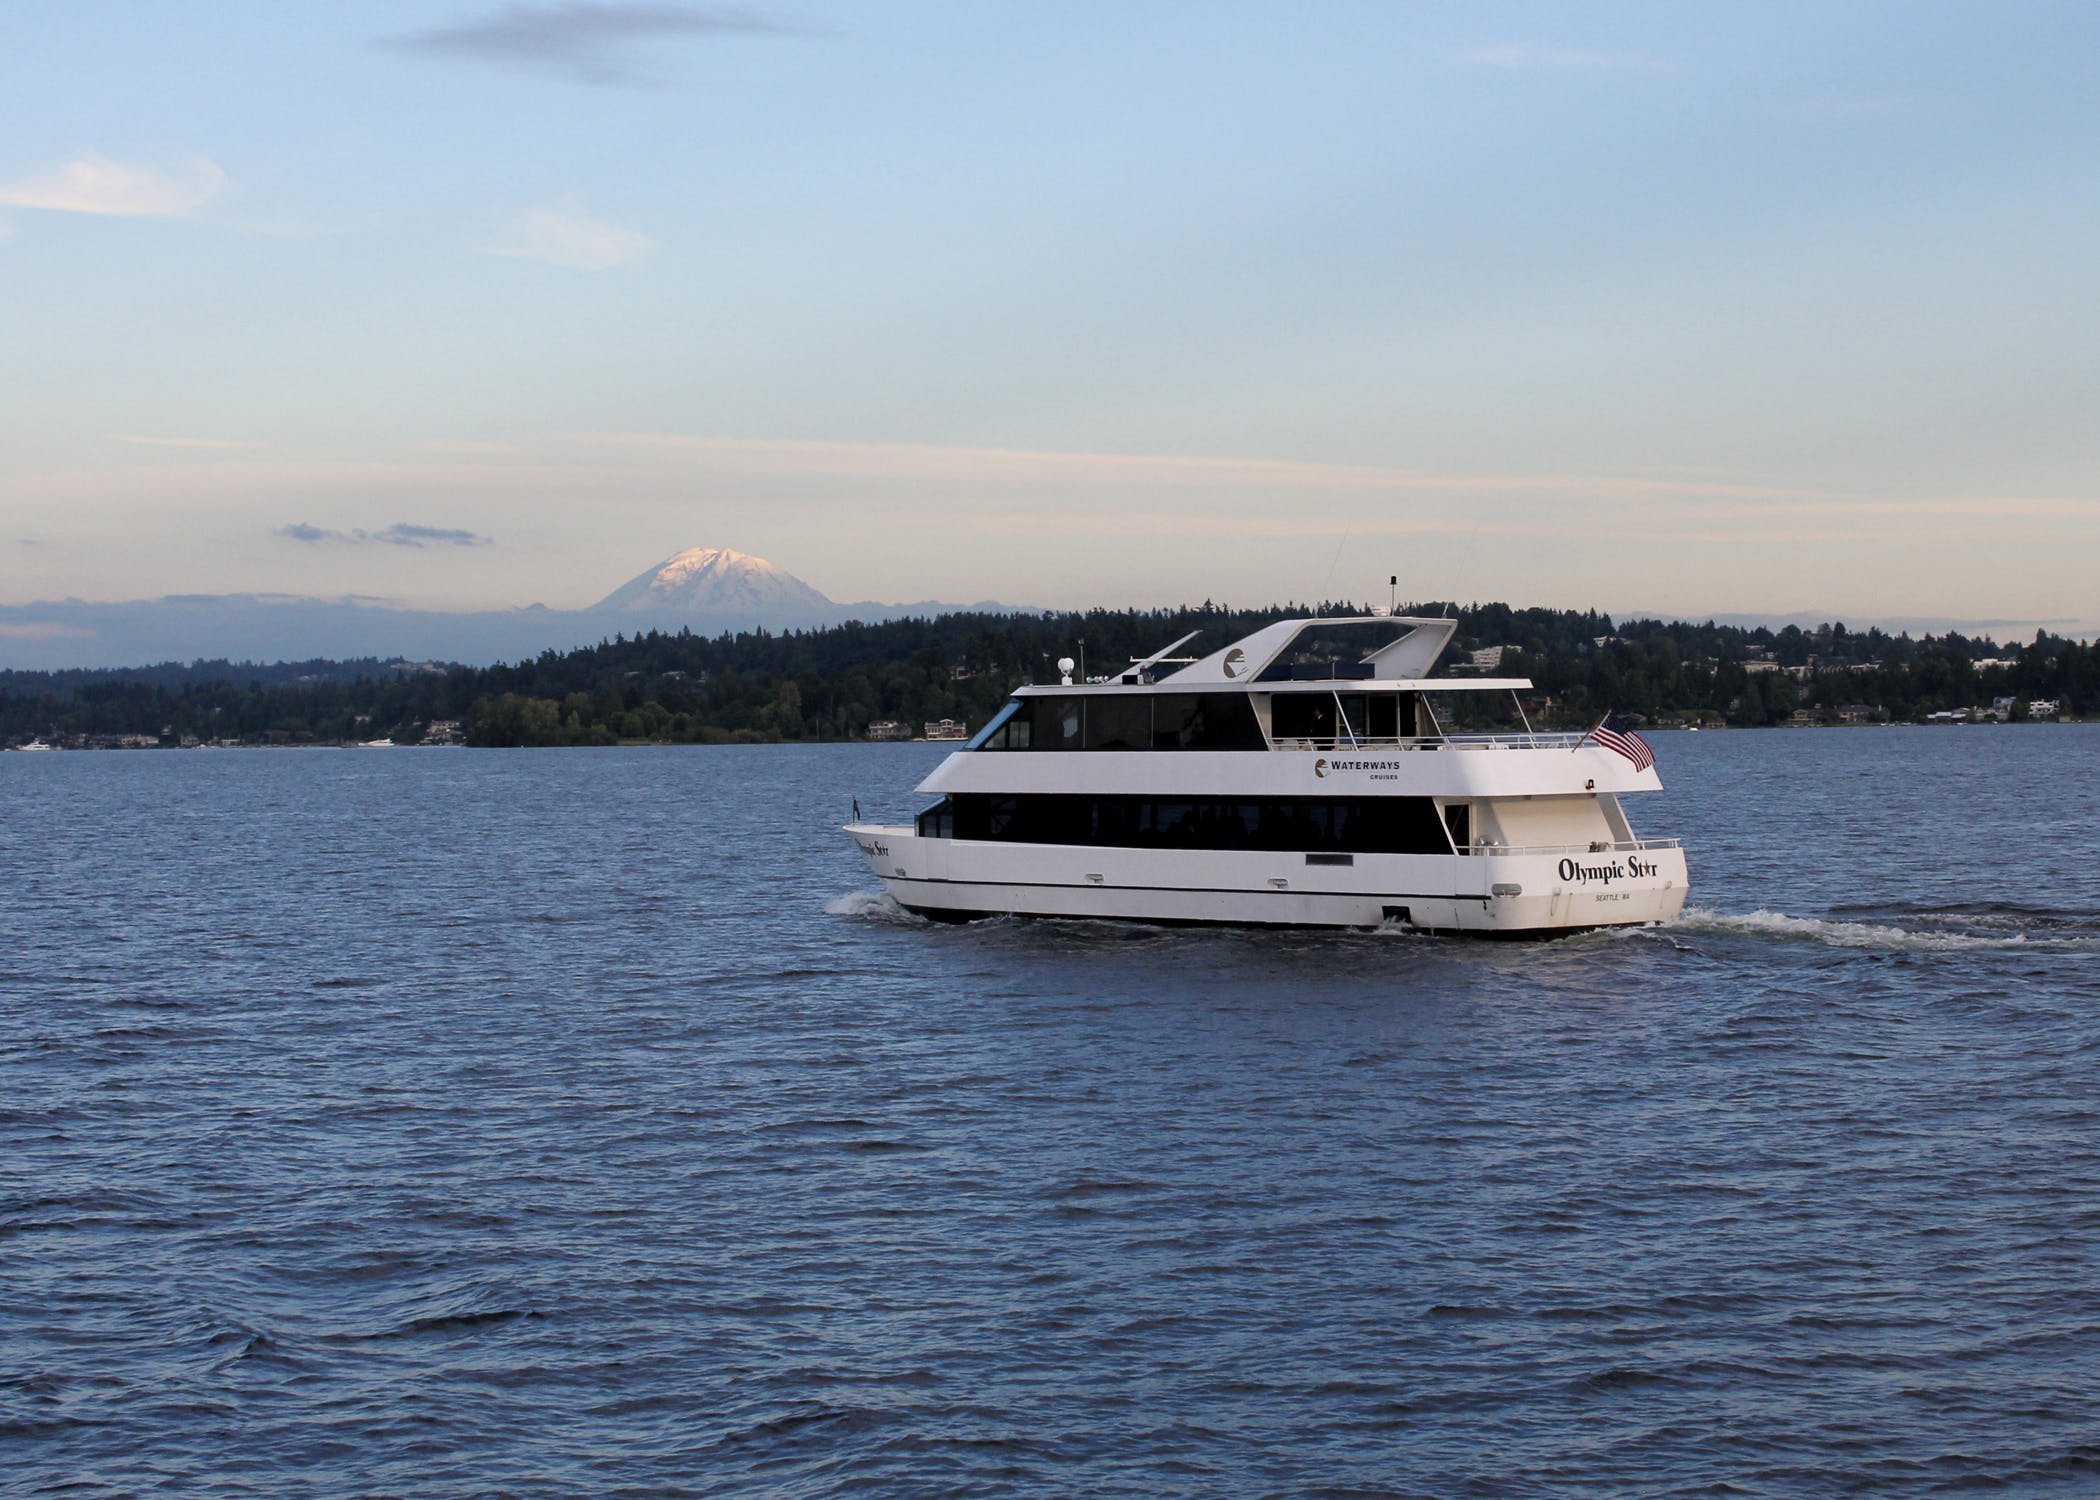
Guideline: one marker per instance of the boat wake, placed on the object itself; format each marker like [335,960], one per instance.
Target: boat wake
[1918,932]
[1888,931]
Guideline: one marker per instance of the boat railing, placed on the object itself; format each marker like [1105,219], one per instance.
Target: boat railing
[1595,846]
[1554,740]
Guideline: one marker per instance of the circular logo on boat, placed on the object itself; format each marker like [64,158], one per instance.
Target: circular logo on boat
[1235,659]
[1320,767]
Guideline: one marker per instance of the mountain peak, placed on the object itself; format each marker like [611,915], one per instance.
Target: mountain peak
[710,559]
[715,580]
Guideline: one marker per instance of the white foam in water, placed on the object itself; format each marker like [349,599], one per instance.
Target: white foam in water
[873,906]
[1855,934]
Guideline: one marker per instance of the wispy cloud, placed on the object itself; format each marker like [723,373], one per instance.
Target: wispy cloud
[636,472]
[803,458]
[567,236]
[400,534]
[92,184]
[584,43]
[42,630]
[213,445]
[1566,59]
[404,535]
[1842,108]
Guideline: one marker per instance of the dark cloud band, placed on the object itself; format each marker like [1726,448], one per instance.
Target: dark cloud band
[578,41]
[400,534]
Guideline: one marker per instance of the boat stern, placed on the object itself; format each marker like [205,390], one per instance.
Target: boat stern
[1618,886]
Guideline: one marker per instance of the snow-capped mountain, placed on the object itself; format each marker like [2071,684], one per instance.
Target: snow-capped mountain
[709,581]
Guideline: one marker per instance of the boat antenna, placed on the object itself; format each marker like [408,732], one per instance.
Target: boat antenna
[1392,596]
[1328,587]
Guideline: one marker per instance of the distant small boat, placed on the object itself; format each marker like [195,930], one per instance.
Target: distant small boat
[375,744]
[37,745]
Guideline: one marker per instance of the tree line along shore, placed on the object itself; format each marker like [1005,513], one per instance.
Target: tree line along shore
[832,684]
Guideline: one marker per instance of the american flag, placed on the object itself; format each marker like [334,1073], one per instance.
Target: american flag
[1615,733]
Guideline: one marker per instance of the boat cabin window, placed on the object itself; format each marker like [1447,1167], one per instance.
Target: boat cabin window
[1057,722]
[1345,716]
[1205,721]
[1009,729]
[1126,721]
[1302,716]
[1474,712]
[1118,722]
[938,821]
[1342,825]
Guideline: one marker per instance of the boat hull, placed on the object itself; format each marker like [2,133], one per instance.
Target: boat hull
[1506,893]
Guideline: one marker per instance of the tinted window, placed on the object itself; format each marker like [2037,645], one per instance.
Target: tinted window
[1225,721]
[1131,721]
[1303,716]
[938,821]
[1345,825]
[1205,721]
[1119,722]
[1057,722]
[1007,731]
[1316,716]
[1171,716]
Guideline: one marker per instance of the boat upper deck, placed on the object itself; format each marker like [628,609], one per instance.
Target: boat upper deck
[1375,715]
[1299,684]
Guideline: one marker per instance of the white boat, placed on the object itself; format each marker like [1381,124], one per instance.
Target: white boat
[1273,783]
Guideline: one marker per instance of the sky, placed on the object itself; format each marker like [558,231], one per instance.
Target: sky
[1704,309]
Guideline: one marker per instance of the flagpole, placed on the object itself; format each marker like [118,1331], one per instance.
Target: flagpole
[1586,735]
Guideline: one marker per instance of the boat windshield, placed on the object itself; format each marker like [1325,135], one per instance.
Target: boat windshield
[998,728]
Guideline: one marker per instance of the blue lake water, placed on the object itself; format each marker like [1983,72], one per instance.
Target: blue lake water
[548,1123]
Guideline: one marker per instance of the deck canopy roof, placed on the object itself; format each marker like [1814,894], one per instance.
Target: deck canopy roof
[1258,661]
[1295,685]
[1410,654]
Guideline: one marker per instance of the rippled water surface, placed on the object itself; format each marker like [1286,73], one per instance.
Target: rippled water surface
[456,1122]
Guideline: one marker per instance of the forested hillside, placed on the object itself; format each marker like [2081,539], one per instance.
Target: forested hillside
[830,684]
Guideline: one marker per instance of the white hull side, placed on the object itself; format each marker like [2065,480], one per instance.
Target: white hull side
[1540,892]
